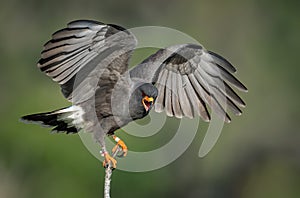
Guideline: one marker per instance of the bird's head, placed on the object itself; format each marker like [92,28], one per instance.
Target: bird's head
[149,94]
[142,100]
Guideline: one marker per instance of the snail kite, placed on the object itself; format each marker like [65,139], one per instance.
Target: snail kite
[89,60]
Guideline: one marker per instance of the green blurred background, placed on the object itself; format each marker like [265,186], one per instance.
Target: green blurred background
[257,155]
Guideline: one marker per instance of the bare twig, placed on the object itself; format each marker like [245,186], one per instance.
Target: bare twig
[108,174]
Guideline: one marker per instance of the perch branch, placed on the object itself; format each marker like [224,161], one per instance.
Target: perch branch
[108,174]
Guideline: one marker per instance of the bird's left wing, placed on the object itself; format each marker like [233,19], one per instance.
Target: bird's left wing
[85,55]
[189,78]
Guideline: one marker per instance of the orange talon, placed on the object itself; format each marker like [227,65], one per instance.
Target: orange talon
[108,159]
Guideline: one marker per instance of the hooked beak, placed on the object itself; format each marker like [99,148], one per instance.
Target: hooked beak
[147,102]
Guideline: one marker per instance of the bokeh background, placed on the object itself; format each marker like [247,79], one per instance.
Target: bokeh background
[257,155]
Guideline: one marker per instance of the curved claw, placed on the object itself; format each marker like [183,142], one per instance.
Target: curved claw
[123,147]
[109,159]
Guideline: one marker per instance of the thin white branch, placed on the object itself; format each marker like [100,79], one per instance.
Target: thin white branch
[108,174]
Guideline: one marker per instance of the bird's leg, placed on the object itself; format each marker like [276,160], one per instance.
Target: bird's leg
[108,159]
[121,144]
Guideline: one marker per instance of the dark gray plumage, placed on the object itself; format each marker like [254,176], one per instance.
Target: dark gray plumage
[89,60]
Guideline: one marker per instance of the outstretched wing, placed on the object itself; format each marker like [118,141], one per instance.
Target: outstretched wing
[189,78]
[85,55]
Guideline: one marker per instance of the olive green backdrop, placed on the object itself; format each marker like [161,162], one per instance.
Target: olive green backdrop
[257,155]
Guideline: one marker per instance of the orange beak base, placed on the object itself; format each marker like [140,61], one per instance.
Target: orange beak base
[147,102]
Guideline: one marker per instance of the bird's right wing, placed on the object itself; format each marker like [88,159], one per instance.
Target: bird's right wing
[85,55]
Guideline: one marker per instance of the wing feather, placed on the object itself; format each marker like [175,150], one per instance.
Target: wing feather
[191,96]
[168,95]
[160,100]
[184,102]
[219,60]
[175,100]
[204,114]
[233,95]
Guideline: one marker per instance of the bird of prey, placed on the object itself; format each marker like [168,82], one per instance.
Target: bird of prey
[89,60]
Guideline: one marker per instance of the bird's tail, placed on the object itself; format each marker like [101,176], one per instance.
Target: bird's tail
[67,120]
